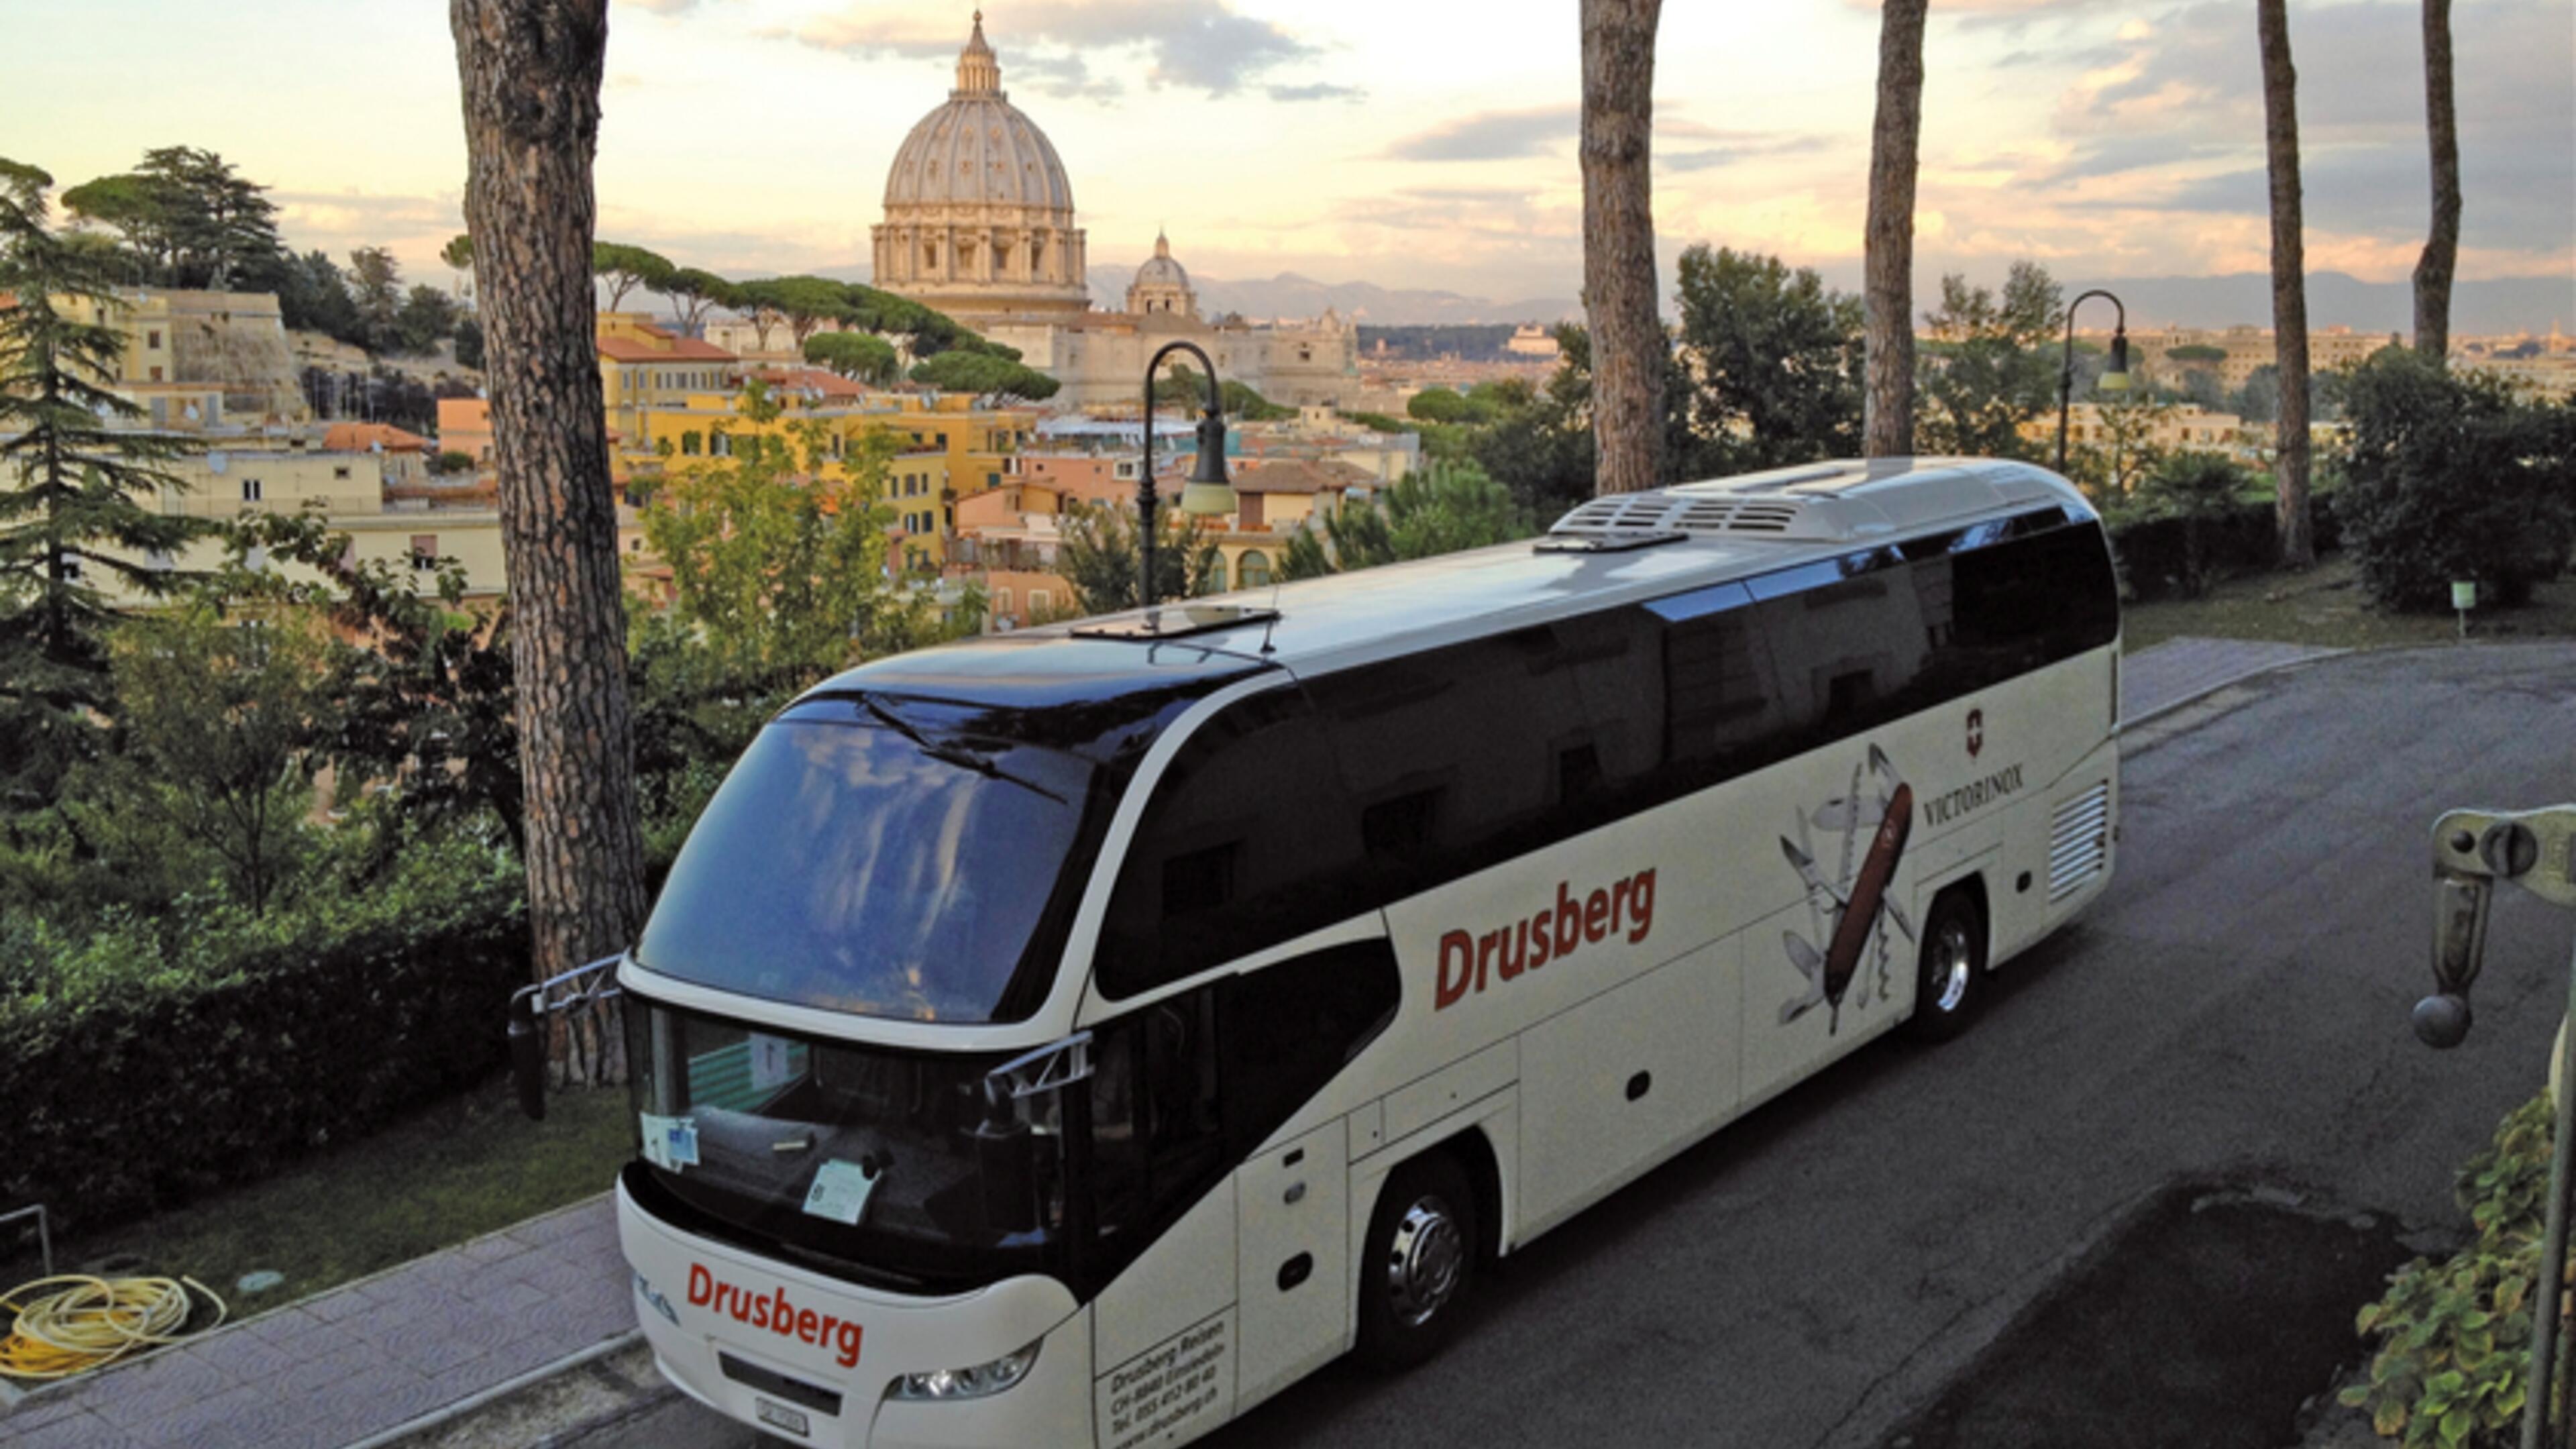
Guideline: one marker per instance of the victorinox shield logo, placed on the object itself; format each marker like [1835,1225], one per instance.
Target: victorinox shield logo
[1976,732]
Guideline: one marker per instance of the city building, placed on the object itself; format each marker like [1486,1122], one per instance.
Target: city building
[980,224]
[196,358]
[2239,351]
[642,367]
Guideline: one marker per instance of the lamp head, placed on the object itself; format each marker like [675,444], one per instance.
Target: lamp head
[1209,492]
[2116,377]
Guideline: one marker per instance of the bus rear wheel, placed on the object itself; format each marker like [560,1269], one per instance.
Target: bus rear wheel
[1952,970]
[1418,1261]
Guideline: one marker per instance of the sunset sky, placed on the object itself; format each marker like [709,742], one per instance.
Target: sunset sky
[1411,143]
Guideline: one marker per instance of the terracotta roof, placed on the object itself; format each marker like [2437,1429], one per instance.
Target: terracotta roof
[814,380]
[659,346]
[1299,475]
[366,437]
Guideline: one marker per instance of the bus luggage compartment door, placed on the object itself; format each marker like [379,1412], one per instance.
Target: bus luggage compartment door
[1625,1076]
[1294,1259]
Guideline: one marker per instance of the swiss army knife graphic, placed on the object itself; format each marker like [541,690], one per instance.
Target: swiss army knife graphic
[1854,910]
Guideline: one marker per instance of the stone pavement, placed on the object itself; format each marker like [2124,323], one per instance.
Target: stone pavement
[368,1361]
[363,1360]
[2181,670]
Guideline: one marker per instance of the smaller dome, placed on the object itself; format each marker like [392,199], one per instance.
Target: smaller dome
[1159,269]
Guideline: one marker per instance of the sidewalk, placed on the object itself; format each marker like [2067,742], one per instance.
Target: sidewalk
[383,1354]
[362,1360]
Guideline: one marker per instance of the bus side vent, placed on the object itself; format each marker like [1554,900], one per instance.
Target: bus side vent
[2079,841]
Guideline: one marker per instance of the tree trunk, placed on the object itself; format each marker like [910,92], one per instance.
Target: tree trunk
[2289,284]
[531,74]
[2442,246]
[1628,345]
[1887,395]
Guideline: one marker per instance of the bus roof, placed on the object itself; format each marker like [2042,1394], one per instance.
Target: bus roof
[1606,551]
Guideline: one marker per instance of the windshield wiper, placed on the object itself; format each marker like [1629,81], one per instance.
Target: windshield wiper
[950,754]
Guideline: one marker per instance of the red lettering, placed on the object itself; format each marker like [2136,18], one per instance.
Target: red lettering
[760,1313]
[1569,922]
[1507,961]
[702,1286]
[1460,947]
[776,1314]
[1618,904]
[1641,897]
[1596,915]
[848,1357]
[1485,955]
[1537,929]
[805,1327]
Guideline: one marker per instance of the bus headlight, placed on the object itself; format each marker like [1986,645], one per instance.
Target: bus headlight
[969,1383]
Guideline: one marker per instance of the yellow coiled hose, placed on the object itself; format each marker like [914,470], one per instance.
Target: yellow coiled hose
[91,1322]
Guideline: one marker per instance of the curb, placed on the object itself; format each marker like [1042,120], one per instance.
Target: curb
[2205,691]
[483,1398]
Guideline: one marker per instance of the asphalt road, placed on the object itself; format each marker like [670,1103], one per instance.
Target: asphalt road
[2233,1011]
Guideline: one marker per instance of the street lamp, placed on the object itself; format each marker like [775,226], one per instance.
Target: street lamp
[2114,380]
[1209,493]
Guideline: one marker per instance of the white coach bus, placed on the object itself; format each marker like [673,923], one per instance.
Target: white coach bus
[1074,1037]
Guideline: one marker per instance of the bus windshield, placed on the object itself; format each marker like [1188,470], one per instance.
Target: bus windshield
[880,857]
[896,1164]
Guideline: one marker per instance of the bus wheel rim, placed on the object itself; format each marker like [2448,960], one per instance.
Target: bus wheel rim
[1950,962]
[1424,1261]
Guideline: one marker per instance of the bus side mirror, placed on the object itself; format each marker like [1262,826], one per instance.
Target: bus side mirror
[528,1053]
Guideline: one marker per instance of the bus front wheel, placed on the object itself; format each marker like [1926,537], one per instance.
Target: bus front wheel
[1419,1259]
[1952,969]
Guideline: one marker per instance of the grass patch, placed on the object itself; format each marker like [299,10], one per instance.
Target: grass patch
[467,1166]
[2327,606]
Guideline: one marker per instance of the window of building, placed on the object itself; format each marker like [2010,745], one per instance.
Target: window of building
[424,550]
[156,374]
[691,444]
[1002,601]
[1040,601]
[152,339]
[1255,566]
[340,472]
[250,490]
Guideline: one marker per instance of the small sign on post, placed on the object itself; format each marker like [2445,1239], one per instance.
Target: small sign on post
[2464,597]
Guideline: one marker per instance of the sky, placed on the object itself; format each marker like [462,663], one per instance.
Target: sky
[1410,143]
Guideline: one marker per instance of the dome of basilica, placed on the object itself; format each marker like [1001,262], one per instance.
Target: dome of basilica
[979,217]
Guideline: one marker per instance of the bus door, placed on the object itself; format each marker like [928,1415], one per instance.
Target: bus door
[1236,1230]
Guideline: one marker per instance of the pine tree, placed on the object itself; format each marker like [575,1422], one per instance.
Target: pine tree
[74,474]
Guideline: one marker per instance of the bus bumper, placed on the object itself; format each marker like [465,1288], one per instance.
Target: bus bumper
[706,1309]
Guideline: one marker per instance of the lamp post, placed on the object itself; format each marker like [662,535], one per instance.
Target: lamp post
[1208,492]
[2114,380]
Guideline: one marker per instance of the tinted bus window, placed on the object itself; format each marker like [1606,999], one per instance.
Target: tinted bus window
[1246,843]
[1462,756]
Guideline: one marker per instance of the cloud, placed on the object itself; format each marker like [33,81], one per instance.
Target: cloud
[1201,45]
[1490,136]
[1317,91]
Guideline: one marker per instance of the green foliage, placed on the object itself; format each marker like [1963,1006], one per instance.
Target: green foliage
[427,316]
[2455,1337]
[1441,508]
[984,374]
[375,289]
[624,268]
[1381,423]
[220,728]
[187,219]
[854,355]
[1989,365]
[469,343]
[152,1059]
[1773,363]
[2450,477]
[1540,447]
[2112,468]
[1438,405]
[447,462]
[2197,352]
[1098,556]
[777,553]
[73,486]
[2200,489]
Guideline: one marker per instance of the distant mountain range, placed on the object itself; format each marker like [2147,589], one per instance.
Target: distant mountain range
[1290,295]
[2505,304]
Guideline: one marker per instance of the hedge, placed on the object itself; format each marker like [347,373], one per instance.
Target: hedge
[2246,539]
[139,1075]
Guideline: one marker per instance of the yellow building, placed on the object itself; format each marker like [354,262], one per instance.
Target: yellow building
[191,358]
[643,367]
[945,449]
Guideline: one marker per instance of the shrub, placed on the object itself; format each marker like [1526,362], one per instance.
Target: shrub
[2455,1337]
[141,1075]
[2451,478]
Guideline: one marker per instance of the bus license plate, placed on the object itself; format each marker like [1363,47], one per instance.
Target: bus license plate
[779,1416]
